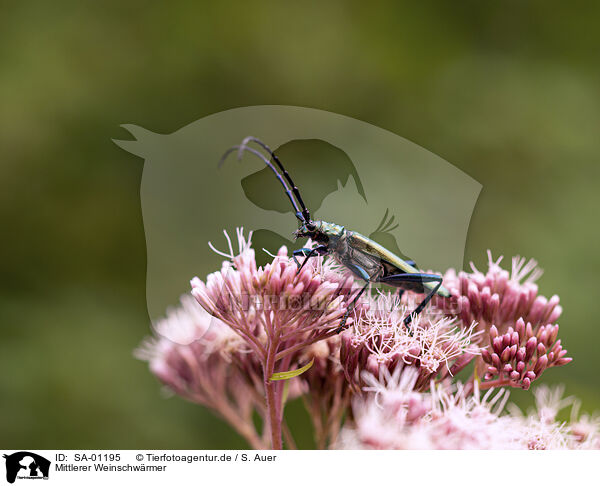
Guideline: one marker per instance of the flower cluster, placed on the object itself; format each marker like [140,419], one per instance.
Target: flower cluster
[518,357]
[392,415]
[518,324]
[277,310]
[201,359]
[250,339]
[500,297]
[542,430]
[379,340]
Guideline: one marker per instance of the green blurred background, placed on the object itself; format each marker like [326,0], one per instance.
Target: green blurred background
[506,91]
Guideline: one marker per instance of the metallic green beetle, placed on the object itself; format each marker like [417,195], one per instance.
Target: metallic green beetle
[365,258]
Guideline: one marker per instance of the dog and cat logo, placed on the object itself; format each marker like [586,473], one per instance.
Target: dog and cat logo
[26,465]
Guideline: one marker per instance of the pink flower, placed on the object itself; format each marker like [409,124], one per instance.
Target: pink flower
[517,322]
[201,359]
[277,311]
[585,430]
[500,298]
[520,356]
[377,385]
[542,430]
[393,415]
[379,340]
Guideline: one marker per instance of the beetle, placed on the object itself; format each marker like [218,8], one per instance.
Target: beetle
[364,257]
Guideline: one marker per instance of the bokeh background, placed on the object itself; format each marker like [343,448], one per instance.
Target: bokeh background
[506,91]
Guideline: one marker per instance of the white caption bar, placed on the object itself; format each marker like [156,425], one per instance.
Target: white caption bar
[444,468]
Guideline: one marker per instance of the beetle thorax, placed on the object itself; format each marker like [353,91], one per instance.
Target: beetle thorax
[329,234]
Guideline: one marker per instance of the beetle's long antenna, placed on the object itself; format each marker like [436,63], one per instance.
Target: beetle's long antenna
[241,148]
[295,190]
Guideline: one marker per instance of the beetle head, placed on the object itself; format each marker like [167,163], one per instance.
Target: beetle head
[308,229]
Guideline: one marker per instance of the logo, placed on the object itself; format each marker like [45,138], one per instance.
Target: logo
[26,465]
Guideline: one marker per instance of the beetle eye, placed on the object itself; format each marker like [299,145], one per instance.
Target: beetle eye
[310,226]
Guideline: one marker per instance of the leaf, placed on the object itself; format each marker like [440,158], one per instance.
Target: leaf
[286,375]
[285,393]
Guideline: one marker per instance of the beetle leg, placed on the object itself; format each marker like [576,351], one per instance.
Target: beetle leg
[365,276]
[415,278]
[307,253]
[412,264]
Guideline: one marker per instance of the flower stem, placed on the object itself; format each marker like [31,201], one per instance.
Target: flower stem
[495,383]
[289,438]
[243,428]
[273,415]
